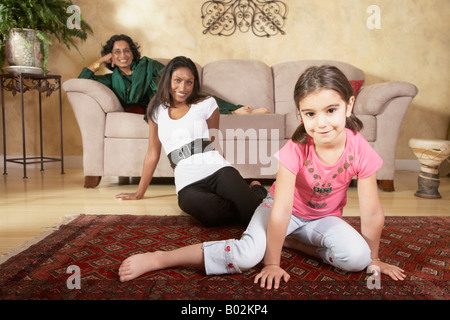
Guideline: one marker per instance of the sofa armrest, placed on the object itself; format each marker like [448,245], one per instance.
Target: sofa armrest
[388,102]
[103,95]
[373,99]
[90,101]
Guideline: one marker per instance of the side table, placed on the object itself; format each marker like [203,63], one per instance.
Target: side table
[430,153]
[21,83]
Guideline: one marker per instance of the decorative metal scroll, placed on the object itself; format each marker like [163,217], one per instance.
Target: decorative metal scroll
[265,18]
[46,85]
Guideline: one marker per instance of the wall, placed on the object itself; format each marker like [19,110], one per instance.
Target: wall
[411,45]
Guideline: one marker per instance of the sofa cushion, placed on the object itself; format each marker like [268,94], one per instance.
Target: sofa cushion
[240,127]
[252,126]
[126,125]
[245,82]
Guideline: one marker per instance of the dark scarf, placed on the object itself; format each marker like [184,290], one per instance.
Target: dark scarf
[140,87]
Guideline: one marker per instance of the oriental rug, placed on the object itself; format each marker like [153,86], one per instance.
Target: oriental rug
[80,261]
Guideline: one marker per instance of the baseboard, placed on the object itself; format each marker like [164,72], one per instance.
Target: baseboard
[76,162]
[407,165]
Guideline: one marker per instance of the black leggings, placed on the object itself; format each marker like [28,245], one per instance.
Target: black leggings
[223,198]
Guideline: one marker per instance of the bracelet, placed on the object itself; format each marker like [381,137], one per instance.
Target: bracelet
[376,259]
[96,66]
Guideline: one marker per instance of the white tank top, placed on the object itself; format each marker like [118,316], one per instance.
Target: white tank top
[174,134]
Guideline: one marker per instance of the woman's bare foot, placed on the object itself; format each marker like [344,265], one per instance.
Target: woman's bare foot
[138,264]
[260,111]
[255,183]
[242,110]
[258,189]
[249,110]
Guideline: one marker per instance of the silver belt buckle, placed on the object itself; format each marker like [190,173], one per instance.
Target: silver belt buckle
[185,151]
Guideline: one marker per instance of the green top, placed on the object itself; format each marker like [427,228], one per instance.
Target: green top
[140,86]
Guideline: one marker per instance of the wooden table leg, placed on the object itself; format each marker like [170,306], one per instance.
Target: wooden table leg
[91,181]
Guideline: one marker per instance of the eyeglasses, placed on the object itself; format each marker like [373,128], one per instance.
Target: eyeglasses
[118,51]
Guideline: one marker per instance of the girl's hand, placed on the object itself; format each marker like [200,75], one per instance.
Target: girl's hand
[393,271]
[127,196]
[271,274]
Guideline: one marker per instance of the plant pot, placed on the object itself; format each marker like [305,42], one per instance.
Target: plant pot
[23,49]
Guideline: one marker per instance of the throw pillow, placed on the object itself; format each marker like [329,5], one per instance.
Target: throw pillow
[356,85]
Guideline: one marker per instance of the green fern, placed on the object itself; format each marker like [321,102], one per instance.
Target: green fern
[47,17]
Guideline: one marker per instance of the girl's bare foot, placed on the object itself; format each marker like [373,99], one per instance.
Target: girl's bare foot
[138,264]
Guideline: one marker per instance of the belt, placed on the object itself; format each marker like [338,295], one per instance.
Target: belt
[189,149]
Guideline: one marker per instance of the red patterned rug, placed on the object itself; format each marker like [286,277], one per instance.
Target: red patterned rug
[97,244]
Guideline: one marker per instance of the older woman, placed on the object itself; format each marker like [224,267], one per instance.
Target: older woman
[134,79]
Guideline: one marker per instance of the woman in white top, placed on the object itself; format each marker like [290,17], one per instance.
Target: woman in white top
[180,118]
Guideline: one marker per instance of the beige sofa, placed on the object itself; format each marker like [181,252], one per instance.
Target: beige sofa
[115,142]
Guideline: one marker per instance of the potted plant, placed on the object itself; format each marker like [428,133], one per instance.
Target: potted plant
[39,22]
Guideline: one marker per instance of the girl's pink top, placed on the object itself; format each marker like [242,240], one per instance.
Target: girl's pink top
[321,190]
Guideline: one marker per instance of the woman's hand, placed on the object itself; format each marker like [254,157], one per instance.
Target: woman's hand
[271,274]
[392,271]
[127,196]
[108,58]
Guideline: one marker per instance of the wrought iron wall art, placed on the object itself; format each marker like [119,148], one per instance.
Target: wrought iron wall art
[265,18]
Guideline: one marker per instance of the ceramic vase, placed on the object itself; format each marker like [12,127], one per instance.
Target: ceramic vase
[23,48]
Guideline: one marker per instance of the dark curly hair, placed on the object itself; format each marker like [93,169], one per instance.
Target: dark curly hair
[107,48]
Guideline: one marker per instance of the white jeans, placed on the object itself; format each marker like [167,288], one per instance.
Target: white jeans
[338,243]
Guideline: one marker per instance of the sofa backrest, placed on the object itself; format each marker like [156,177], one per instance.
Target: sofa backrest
[254,83]
[165,61]
[240,81]
[285,76]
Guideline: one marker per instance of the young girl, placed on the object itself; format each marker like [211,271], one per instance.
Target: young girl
[180,119]
[305,203]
